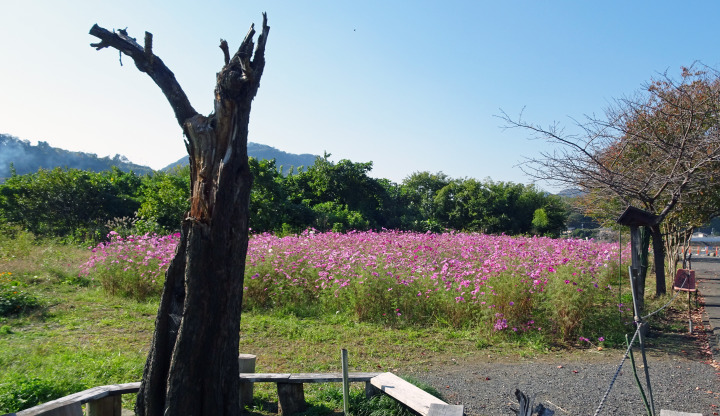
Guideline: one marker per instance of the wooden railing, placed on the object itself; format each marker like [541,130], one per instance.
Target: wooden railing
[101,401]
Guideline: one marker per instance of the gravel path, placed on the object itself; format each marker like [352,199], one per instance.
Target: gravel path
[684,376]
[575,385]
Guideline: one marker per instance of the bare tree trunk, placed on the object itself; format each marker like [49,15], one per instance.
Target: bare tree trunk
[644,243]
[686,247]
[671,242]
[192,367]
[677,241]
[659,259]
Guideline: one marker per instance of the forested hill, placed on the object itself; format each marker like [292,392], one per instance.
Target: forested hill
[27,158]
[288,161]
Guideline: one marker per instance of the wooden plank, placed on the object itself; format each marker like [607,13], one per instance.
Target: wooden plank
[72,409]
[53,404]
[304,377]
[406,393]
[329,377]
[360,376]
[57,409]
[97,393]
[42,408]
[265,377]
[82,397]
[446,410]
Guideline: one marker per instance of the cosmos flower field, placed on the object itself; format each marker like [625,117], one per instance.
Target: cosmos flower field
[562,289]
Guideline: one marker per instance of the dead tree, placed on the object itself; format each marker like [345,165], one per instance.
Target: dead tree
[192,367]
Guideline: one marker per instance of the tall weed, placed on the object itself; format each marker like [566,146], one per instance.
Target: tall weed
[15,242]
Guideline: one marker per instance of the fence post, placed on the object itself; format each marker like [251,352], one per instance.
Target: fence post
[246,363]
[107,406]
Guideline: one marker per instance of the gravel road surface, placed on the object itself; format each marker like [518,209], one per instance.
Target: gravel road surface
[684,376]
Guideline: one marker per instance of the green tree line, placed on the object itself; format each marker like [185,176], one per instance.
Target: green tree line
[327,196]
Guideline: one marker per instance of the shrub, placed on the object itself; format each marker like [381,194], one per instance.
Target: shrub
[68,203]
[165,200]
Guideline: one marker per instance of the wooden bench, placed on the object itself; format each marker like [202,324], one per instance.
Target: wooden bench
[106,400]
[101,401]
[291,393]
[413,397]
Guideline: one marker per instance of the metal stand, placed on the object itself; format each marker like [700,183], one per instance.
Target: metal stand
[635,218]
[641,328]
[689,315]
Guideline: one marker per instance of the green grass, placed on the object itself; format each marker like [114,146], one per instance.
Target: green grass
[14,298]
[80,337]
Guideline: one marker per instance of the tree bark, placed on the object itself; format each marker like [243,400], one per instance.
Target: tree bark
[658,259]
[644,243]
[677,240]
[192,367]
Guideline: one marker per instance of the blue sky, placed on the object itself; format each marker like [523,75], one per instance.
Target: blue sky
[408,85]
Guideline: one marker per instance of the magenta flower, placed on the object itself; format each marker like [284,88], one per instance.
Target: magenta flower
[474,275]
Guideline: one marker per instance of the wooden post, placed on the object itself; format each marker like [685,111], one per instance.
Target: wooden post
[690,328]
[346,383]
[107,406]
[635,287]
[246,362]
[371,390]
[291,398]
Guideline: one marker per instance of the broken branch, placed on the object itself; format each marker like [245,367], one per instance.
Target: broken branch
[149,63]
[226,50]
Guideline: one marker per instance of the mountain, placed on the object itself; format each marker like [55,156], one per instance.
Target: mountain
[262,151]
[27,158]
[571,193]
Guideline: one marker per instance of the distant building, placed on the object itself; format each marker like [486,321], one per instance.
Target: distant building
[701,239]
